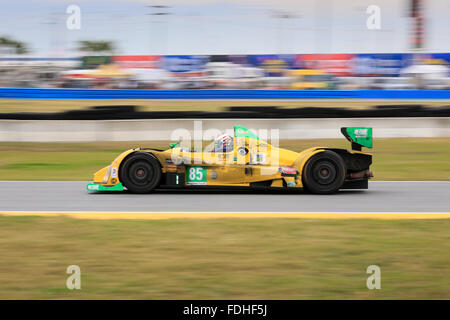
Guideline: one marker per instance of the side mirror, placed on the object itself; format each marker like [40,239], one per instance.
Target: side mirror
[173,145]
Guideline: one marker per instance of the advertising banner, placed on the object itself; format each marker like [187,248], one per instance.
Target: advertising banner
[381,65]
[337,64]
[274,65]
[185,63]
[432,58]
[39,62]
[239,59]
[137,62]
[92,62]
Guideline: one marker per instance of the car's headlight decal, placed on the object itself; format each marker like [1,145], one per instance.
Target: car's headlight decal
[106,177]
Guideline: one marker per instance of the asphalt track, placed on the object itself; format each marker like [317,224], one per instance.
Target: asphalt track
[383,196]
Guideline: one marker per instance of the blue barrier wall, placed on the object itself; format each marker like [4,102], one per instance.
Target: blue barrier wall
[32,93]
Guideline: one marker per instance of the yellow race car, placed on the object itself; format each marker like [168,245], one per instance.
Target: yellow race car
[247,162]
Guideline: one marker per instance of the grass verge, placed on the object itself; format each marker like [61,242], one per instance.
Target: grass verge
[394,159]
[224,259]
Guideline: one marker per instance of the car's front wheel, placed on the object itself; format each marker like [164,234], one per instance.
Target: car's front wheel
[324,173]
[140,173]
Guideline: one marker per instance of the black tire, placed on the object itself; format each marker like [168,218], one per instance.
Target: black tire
[324,173]
[140,173]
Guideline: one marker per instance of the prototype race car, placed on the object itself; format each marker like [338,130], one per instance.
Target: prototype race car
[246,162]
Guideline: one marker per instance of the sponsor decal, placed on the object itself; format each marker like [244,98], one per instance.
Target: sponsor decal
[196,175]
[171,168]
[259,158]
[213,175]
[93,187]
[361,133]
[291,184]
[288,170]
[114,172]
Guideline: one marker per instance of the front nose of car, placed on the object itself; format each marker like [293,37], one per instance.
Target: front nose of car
[102,175]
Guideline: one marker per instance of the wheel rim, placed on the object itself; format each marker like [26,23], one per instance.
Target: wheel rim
[324,172]
[141,173]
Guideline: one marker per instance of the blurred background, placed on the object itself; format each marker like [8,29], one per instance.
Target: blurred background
[205,44]
[309,67]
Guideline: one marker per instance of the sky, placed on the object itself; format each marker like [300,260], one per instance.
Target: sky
[222,26]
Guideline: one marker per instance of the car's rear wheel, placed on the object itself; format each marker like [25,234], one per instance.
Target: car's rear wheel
[140,173]
[324,173]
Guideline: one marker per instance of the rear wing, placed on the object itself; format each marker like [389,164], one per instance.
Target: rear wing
[359,137]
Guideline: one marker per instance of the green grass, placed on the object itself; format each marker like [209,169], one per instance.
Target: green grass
[58,105]
[224,259]
[394,159]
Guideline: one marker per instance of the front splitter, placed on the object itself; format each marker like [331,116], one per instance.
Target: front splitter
[99,187]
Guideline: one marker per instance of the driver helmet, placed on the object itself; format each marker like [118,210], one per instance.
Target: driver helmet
[224,141]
